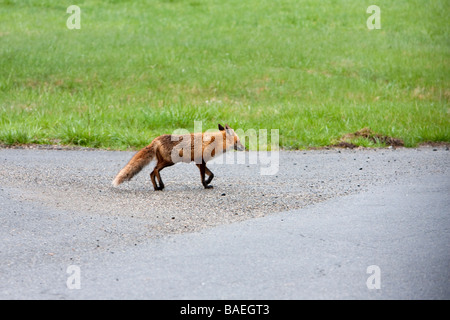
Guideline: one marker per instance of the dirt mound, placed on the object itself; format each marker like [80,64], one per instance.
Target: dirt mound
[366,133]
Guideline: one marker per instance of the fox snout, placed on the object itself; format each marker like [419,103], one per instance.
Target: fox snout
[239,147]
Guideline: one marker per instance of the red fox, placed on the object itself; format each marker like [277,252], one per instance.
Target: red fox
[170,149]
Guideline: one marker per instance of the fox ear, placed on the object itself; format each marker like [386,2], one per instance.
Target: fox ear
[221,128]
[229,130]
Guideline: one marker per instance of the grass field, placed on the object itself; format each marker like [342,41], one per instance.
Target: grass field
[138,69]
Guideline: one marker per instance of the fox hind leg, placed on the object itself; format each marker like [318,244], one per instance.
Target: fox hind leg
[154,173]
[159,166]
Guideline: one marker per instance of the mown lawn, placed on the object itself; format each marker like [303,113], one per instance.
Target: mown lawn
[138,69]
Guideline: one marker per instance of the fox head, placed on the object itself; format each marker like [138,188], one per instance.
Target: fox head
[232,138]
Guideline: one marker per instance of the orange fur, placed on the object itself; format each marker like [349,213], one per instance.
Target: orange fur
[171,149]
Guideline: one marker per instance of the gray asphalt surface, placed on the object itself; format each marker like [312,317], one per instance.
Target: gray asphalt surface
[309,231]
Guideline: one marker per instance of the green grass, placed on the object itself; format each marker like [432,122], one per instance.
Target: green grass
[138,69]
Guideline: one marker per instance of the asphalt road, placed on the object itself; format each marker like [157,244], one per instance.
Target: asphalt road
[309,231]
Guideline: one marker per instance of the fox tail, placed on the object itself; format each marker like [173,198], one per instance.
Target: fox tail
[135,165]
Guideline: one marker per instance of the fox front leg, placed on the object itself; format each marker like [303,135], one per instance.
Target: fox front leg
[210,175]
[202,168]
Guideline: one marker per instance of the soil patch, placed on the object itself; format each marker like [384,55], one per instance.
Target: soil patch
[346,140]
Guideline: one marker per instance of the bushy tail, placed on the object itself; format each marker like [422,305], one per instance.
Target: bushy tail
[135,165]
